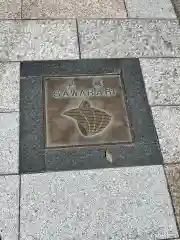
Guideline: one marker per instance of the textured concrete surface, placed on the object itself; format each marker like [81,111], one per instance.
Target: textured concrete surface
[124,203]
[9,205]
[162,80]
[10,9]
[129,38]
[173,176]
[38,40]
[9,86]
[72,9]
[168,127]
[150,9]
[9,139]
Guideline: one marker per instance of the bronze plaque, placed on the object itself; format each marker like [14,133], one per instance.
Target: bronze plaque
[85,110]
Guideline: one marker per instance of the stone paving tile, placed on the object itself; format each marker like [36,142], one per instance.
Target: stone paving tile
[173,176]
[9,86]
[9,205]
[150,9]
[38,40]
[121,203]
[10,9]
[162,80]
[168,128]
[73,9]
[129,38]
[9,139]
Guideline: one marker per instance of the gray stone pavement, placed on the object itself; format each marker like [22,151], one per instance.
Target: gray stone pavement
[123,203]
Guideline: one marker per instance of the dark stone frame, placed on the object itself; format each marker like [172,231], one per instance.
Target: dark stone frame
[144,150]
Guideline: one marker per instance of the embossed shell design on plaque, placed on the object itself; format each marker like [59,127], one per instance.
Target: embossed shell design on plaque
[91,121]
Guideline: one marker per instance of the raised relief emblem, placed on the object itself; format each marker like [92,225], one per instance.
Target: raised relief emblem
[84,110]
[90,121]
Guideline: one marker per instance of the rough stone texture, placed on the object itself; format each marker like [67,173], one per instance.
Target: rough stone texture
[10,9]
[9,139]
[176,4]
[168,127]
[9,197]
[9,86]
[162,80]
[150,9]
[72,9]
[129,38]
[38,40]
[173,176]
[124,203]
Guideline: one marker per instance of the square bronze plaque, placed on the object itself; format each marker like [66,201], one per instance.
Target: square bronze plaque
[85,110]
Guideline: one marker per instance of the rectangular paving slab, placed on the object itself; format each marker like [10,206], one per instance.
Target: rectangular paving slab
[38,40]
[150,9]
[9,86]
[9,139]
[129,38]
[161,77]
[73,9]
[125,203]
[167,123]
[10,9]
[9,205]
